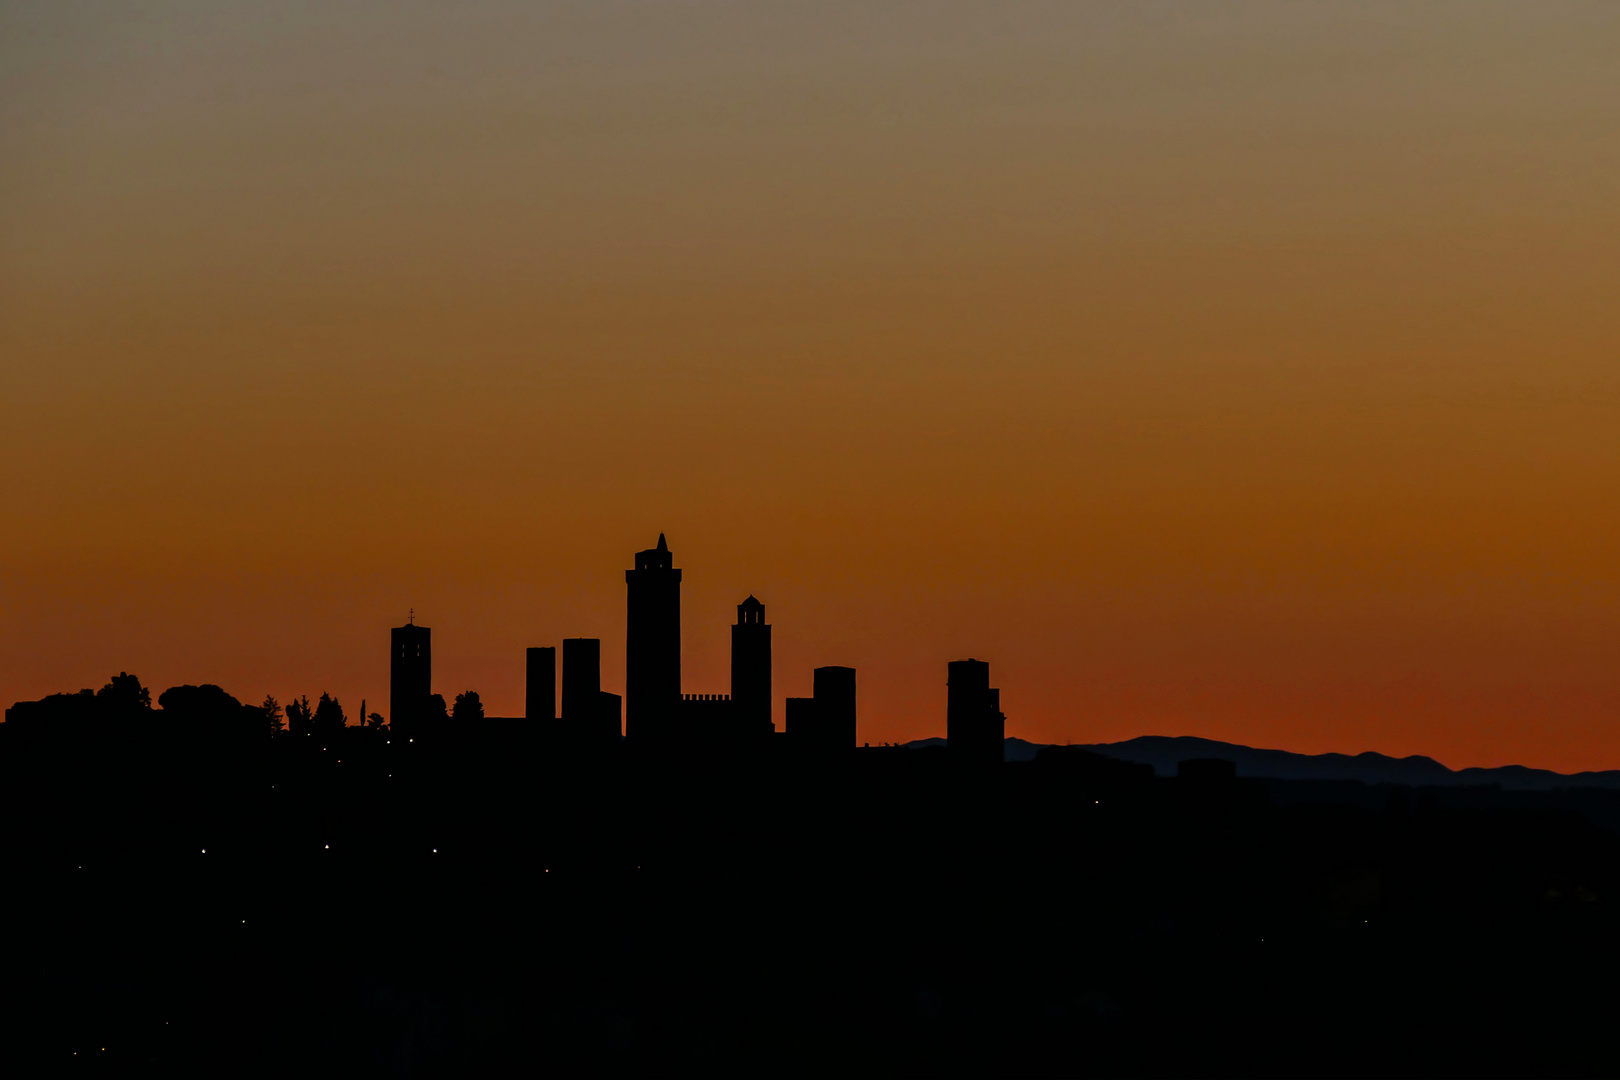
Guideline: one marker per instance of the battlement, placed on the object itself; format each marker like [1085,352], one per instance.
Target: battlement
[705,697]
[657,558]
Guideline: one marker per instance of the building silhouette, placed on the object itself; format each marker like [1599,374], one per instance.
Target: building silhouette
[410,677]
[974,723]
[799,716]
[825,722]
[608,723]
[834,689]
[707,719]
[751,670]
[652,658]
[540,684]
[744,715]
[590,715]
[582,681]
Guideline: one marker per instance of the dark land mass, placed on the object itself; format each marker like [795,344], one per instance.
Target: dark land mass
[1165,753]
[186,895]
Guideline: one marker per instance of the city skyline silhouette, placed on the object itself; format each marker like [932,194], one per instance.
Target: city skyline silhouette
[811,539]
[652,662]
[443,890]
[1238,375]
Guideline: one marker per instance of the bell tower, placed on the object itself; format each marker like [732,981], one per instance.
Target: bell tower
[751,670]
[410,676]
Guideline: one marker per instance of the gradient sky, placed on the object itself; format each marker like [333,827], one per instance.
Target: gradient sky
[1245,370]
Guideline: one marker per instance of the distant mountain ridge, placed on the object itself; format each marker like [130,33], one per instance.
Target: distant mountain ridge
[1164,753]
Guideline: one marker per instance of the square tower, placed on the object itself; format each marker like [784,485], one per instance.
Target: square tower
[582,682]
[974,724]
[834,689]
[824,724]
[410,677]
[540,684]
[751,670]
[652,652]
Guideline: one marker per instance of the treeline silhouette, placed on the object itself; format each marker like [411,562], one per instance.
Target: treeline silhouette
[201,887]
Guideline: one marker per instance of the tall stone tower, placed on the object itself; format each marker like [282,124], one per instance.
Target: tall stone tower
[974,724]
[834,688]
[540,684]
[751,670]
[582,680]
[410,677]
[652,653]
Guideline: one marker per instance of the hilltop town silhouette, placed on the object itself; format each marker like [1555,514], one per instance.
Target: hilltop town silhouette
[666,884]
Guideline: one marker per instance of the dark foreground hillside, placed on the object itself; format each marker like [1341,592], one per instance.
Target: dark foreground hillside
[488,902]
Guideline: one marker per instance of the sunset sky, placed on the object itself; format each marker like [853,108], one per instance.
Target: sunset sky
[1245,370]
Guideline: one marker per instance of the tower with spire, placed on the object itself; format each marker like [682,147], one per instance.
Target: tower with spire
[652,655]
[410,676]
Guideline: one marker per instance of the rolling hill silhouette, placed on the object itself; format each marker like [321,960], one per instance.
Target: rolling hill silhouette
[1165,752]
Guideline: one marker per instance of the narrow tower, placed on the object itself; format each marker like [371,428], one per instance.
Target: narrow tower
[652,653]
[751,670]
[540,684]
[410,677]
[834,688]
[582,681]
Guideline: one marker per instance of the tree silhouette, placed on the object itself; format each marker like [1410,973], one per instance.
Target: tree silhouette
[124,691]
[272,714]
[436,712]
[375,720]
[299,716]
[328,715]
[198,704]
[207,715]
[467,707]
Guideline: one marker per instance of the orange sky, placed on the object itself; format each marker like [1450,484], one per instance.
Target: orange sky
[1245,370]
